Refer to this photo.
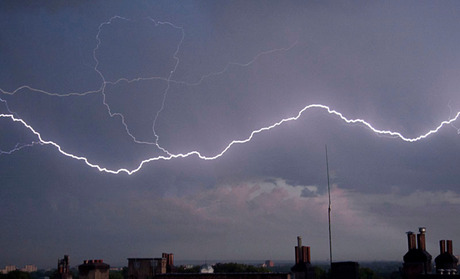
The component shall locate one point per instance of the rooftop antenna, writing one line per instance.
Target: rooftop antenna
(329, 209)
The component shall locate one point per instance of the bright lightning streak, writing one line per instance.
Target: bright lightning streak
(452, 124)
(242, 141)
(18, 146)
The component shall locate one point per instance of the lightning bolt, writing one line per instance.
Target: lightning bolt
(452, 124)
(234, 142)
(18, 146)
(105, 82)
(11, 116)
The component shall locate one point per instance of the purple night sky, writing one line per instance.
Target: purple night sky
(120, 82)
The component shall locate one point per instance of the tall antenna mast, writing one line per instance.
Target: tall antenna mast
(329, 209)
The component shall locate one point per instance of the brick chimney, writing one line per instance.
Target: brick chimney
(442, 246)
(302, 253)
(411, 240)
(297, 249)
(302, 268)
(449, 247)
(446, 262)
(421, 239)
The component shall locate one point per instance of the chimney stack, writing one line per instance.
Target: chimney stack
(442, 246)
(298, 250)
(302, 268)
(449, 247)
(421, 239)
(302, 253)
(411, 240)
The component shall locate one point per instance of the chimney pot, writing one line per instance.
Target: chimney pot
(449, 247)
(411, 240)
(421, 240)
(442, 246)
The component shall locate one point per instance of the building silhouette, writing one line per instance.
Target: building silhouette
(345, 270)
(269, 263)
(446, 262)
(140, 268)
(93, 269)
(147, 268)
(8, 268)
(417, 260)
(29, 268)
(63, 268)
(417, 265)
(163, 268)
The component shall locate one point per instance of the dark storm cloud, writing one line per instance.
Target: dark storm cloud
(239, 67)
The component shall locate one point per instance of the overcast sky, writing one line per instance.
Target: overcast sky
(121, 82)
